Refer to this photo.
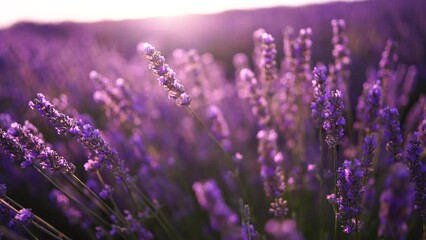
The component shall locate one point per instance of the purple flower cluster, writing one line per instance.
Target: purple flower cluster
(219, 127)
(166, 75)
(334, 122)
(269, 156)
(24, 216)
(341, 55)
(222, 218)
(368, 146)
(387, 72)
(318, 105)
(350, 194)
(26, 145)
(417, 171)
(396, 204)
(268, 64)
(368, 108)
(393, 138)
(73, 214)
(279, 208)
(258, 102)
(90, 137)
(247, 229)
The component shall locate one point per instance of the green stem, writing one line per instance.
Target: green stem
(334, 149)
(229, 162)
(424, 228)
(335, 168)
(101, 204)
(36, 218)
(84, 208)
(29, 232)
(159, 216)
(116, 210)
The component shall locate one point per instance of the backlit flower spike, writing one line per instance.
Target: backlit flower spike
(417, 171)
(368, 108)
(334, 122)
(392, 134)
(268, 64)
(387, 72)
(350, 195)
(166, 75)
(90, 137)
(319, 85)
(396, 203)
(36, 150)
(341, 53)
(222, 218)
(368, 146)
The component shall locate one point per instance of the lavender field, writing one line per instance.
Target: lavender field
(282, 123)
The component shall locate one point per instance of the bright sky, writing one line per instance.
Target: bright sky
(94, 10)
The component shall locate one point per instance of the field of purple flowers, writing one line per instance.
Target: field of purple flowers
(296, 133)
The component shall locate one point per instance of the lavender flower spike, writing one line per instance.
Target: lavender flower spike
(368, 107)
(24, 216)
(349, 184)
(268, 64)
(90, 137)
(393, 136)
(396, 204)
(334, 122)
(166, 75)
(318, 105)
(368, 147)
(222, 218)
(417, 171)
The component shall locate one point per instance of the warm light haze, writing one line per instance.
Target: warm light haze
(82, 10)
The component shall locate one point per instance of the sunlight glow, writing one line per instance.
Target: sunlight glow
(83, 10)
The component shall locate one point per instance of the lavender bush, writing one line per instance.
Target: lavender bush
(233, 156)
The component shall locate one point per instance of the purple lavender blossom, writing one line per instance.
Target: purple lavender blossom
(279, 208)
(422, 131)
(247, 230)
(166, 75)
(334, 122)
(286, 229)
(268, 64)
(136, 227)
(368, 147)
(368, 108)
(222, 218)
(258, 102)
(350, 194)
(387, 72)
(73, 214)
(270, 159)
(219, 127)
(3, 190)
(393, 138)
(24, 216)
(5, 120)
(106, 191)
(12, 147)
(318, 105)
(417, 171)
(341, 55)
(36, 150)
(84, 133)
(396, 203)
